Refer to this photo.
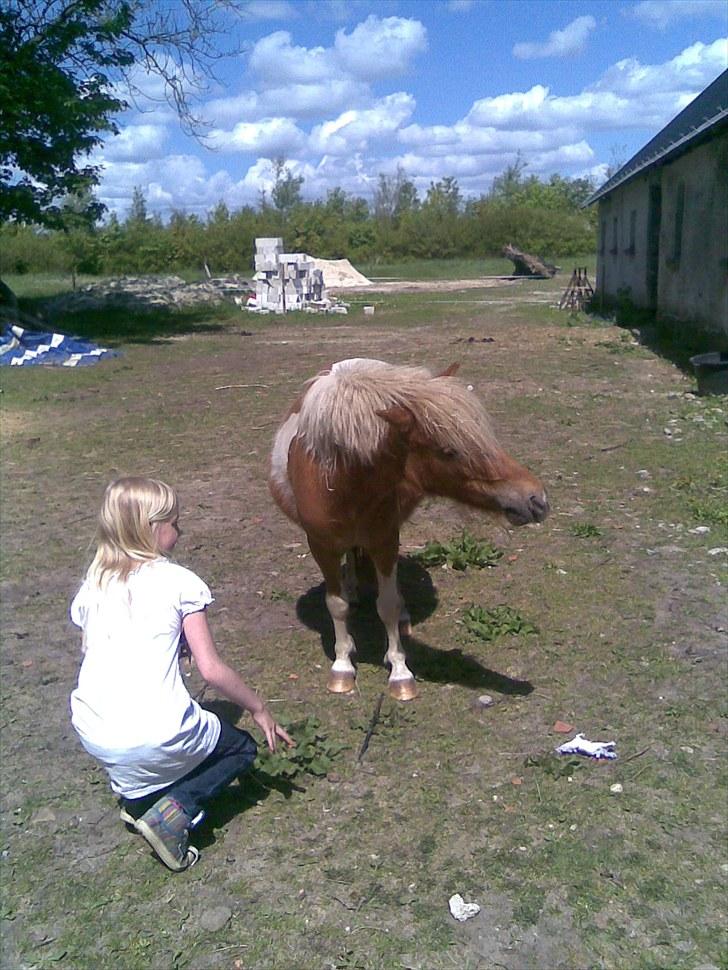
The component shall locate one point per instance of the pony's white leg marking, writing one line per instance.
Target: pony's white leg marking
(389, 607)
(343, 673)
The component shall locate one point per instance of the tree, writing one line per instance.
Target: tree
(137, 215)
(443, 197)
(395, 196)
(286, 192)
(61, 62)
(506, 185)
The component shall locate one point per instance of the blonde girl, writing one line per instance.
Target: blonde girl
(166, 756)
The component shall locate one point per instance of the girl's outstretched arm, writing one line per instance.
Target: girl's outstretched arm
(224, 679)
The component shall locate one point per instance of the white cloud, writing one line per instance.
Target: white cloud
(276, 61)
(312, 100)
(561, 43)
(375, 49)
(460, 6)
(316, 108)
(469, 139)
(268, 10)
(137, 142)
(687, 73)
(628, 95)
(181, 183)
(271, 137)
(663, 13)
(354, 131)
(380, 48)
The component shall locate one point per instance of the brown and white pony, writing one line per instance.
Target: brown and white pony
(363, 444)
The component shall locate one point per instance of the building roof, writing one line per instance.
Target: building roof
(701, 116)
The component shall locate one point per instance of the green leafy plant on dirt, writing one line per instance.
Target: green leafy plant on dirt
(714, 512)
(553, 765)
(707, 495)
(585, 530)
(314, 754)
(460, 553)
(496, 622)
(624, 344)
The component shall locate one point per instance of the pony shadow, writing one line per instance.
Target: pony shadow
(251, 788)
(427, 663)
(416, 586)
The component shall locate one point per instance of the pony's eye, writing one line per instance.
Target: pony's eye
(449, 453)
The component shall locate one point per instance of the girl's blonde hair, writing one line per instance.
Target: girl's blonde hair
(125, 538)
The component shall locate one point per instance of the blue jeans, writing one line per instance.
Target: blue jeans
(233, 755)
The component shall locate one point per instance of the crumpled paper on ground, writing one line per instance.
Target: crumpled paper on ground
(462, 910)
(592, 749)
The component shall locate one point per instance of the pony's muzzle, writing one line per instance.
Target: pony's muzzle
(534, 509)
(539, 505)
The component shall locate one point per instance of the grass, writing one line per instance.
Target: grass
(613, 607)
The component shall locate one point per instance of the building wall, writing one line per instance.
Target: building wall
(663, 241)
(621, 260)
(693, 280)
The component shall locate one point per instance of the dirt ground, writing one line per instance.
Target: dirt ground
(624, 584)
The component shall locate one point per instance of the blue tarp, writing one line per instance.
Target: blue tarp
(21, 348)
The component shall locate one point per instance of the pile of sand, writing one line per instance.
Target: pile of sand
(339, 274)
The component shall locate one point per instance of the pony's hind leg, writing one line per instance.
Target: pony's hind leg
(343, 674)
(357, 576)
(402, 684)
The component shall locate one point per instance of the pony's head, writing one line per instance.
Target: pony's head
(452, 451)
(360, 409)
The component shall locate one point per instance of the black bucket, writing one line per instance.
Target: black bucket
(711, 371)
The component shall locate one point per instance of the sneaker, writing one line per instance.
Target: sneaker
(166, 827)
(125, 817)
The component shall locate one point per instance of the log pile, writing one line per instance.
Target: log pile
(527, 265)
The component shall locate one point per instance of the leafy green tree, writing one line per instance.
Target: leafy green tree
(55, 101)
(506, 186)
(60, 64)
(137, 215)
(443, 197)
(286, 192)
(395, 195)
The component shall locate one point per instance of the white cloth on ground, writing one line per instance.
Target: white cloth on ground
(593, 749)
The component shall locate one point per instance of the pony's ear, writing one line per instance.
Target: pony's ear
(400, 418)
(450, 371)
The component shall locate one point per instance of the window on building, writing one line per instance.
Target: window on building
(603, 237)
(632, 232)
(615, 227)
(679, 216)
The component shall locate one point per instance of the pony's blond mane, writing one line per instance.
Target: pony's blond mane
(338, 419)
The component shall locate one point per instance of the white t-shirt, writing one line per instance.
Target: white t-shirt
(131, 708)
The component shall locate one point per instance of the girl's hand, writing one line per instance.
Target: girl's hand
(264, 719)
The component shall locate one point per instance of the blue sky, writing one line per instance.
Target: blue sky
(347, 89)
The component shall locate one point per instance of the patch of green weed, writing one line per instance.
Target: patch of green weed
(461, 553)
(585, 530)
(313, 754)
(496, 622)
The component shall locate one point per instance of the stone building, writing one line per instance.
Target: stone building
(663, 224)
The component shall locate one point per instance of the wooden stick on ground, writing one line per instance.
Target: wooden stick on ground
(370, 729)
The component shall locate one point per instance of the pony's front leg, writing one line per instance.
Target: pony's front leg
(402, 684)
(343, 674)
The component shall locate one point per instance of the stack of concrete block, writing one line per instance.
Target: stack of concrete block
(286, 281)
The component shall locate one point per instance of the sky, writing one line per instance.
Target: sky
(346, 90)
